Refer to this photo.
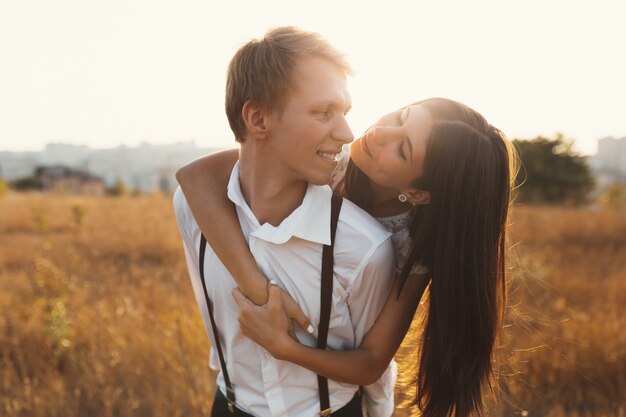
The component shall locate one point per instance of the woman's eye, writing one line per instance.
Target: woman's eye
(401, 151)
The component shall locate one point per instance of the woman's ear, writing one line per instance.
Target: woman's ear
(416, 197)
(255, 119)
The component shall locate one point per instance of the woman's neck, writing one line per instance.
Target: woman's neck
(385, 202)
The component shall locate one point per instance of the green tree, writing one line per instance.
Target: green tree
(26, 183)
(552, 172)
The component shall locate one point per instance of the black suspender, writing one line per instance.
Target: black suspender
(230, 392)
(326, 296)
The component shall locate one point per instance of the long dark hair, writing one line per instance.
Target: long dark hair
(460, 236)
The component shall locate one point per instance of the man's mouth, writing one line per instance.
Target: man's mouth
(328, 156)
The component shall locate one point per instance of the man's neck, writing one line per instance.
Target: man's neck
(271, 195)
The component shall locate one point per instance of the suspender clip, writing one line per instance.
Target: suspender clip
(230, 397)
(325, 413)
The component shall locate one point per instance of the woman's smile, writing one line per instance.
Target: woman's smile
(365, 147)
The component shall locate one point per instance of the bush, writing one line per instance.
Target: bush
(117, 189)
(552, 172)
(614, 197)
(26, 183)
(4, 187)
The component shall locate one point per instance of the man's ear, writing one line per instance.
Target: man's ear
(255, 119)
(416, 196)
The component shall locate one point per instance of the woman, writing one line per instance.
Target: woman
(438, 176)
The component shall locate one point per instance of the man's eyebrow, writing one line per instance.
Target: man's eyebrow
(332, 103)
(325, 103)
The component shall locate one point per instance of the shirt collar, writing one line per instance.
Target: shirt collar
(310, 221)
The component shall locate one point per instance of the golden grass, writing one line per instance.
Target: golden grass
(98, 316)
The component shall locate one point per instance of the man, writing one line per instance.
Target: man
(286, 102)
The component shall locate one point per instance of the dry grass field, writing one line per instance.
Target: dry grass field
(98, 317)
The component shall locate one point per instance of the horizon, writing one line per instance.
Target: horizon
(124, 72)
(196, 145)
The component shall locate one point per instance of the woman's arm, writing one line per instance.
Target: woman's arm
(204, 183)
(267, 325)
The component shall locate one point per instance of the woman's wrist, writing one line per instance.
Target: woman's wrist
(254, 286)
(286, 349)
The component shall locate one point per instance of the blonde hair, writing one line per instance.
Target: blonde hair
(261, 70)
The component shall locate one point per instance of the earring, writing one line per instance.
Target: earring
(402, 197)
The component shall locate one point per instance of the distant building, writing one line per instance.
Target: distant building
(62, 178)
(609, 164)
(14, 165)
(145, 167)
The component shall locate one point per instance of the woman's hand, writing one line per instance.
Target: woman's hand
(292, 311)
(269, 325)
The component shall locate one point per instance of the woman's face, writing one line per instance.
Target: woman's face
(391, 152)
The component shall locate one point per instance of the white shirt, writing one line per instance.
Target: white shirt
(291, 254)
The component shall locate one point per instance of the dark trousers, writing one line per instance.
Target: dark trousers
(220, 408)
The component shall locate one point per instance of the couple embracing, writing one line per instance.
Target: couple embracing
(306, 289)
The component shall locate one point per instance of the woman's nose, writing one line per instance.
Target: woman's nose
(384, 135)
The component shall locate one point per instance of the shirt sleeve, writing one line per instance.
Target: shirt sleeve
(366, 300)
(185, 221)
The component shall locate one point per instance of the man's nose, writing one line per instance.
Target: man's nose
(342, 131)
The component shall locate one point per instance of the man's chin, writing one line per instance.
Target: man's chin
(320, 179)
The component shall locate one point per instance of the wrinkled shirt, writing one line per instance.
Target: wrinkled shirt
(291, 254)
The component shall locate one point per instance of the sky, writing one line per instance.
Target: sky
(105, 73)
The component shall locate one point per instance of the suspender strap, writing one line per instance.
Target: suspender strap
(230, 393)
(326, 300)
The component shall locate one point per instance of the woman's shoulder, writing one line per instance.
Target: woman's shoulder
(397, 223)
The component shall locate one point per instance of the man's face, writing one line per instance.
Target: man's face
(305, 139)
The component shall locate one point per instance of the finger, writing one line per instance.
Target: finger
(291, 331)
(293, 311)
(274, 299)
(300, 318)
